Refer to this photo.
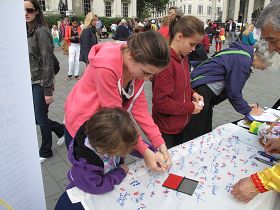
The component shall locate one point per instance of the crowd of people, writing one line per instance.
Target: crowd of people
(99, 131)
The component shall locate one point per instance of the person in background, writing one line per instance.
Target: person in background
(140, 28)
(97, 155)
(210, 33)
(268, 179)
(164, 28)
(174, 101)
(113, 28)
(104, 33)
(40, 48)
(230, 28)
(153, 25)
(98, 26)
(218, 41)
(115, 78)
(247, 36)
(72, 36)
(222, 33)
(122, 32)
(55, 35)
(175, 11)
(88, 36)
(81, 24)
(62, 28)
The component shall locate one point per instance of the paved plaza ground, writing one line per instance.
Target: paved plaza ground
(262, 87)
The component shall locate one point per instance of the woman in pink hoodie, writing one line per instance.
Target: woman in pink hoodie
(115, 78)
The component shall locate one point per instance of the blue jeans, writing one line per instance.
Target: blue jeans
(41, 110)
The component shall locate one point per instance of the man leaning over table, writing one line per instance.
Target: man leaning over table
(268, 179)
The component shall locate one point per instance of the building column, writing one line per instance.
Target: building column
(133, 8)
(266, 2)
(236, 10)
(118, 8)
(69, 12)
(214, 10)
(250, 10)
(225, 11)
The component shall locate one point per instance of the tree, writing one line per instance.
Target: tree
(144, 6)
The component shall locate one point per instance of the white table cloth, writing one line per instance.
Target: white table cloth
(217, 160)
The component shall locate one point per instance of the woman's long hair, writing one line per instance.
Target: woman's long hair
(39, 20)
(248, 29)
(89, 18)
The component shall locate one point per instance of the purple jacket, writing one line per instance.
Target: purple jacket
(87, 172)
(234, 69)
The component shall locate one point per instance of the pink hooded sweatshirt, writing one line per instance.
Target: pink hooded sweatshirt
(100, 86)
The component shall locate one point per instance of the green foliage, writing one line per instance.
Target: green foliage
(109, 21)
(52, 19)
(143, 7)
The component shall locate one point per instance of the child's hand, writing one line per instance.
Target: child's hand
(272, 145)
(166, 156)
(197, 108)
(153, 161)
(196, 97)
(124, 167)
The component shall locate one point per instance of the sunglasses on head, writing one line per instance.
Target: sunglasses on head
(29, 10)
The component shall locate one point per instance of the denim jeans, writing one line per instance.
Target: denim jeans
(41, 110)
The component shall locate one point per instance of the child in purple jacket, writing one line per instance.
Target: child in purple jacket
(97, 154)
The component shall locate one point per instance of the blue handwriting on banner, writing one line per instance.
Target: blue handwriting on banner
(135, 183)
(122, 198)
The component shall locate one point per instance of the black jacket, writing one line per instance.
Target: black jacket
(233, 27)
(122, 33)
(88, 38)
(40, 48)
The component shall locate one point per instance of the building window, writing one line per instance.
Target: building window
(209, 12)
(184, 9)
(125, 9)
(219, 10)
(108, 9)
(189, 9)
(200, 10)
(86, 6)
(42, 4)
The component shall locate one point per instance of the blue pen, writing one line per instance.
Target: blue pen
(264, 161)
(271, 158)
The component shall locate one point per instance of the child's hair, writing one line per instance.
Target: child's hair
(111, 131)
(149, 47)
(187, 25)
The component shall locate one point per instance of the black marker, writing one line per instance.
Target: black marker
(264, 161)
(268, 156)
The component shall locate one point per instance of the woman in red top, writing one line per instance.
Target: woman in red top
(174, 101)
(164, 27)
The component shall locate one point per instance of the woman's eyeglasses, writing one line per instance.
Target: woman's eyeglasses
(29, 10)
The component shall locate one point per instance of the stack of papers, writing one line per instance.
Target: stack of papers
(269, 115)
